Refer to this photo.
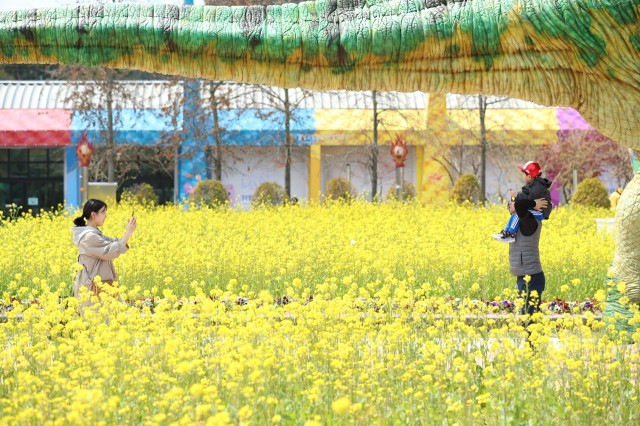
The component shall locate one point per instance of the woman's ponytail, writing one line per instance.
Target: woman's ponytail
(90, 206)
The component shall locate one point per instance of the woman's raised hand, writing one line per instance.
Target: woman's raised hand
(132, 224)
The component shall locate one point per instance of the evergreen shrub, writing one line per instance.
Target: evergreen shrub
(211, 193)
(269, 194)
(591, 193)
(466, 189)
(339, 189)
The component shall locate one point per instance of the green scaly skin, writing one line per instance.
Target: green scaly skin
(578, 53)
(582, 54)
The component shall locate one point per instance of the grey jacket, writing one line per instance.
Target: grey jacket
(97, 252)
(524, 254)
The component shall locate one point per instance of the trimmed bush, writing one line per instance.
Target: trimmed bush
(466, 189)
(591, 193)
(210, 193)
(269, 194)
(339, 189)
(408, 192)
(140, 193)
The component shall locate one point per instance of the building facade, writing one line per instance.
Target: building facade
(332, 133)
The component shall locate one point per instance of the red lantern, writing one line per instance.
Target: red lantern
(84, 150)
(399, 151)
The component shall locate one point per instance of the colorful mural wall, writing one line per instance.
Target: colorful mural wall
(313, 129)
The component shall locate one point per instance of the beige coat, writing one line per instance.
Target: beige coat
(97, 252)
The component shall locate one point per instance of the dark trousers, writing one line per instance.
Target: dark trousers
(537, 283)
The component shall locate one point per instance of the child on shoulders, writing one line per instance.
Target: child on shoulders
(535, 187)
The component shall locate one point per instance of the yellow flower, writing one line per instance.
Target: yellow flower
(196, 390)
(245, 412)
(221, 419)
(393, 326)
(341, 405)
(484, 398)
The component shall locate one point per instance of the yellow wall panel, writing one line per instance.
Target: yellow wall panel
(434, 182)
(528, 119)
(315, 177)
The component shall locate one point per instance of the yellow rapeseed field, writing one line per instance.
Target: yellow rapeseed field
(360, 249)
(374, 328)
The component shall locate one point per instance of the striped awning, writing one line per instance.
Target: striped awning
(23, 128)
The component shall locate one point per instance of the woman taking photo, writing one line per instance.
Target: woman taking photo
(97, 251)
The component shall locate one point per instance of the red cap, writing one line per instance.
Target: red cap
(530, 168)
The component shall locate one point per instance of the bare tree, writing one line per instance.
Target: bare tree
(197, 121)
(482, 114)
(374, 146)
(109, 88)
(169, 163)
(455, 155)
(483, 103)
(217, 98)
(102, 101)
(282, 104)
(387, 115)
(467, 150)
(384, 105)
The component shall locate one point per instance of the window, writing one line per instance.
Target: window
(31, 177)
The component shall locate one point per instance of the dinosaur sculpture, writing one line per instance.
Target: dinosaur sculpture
(583, 54)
